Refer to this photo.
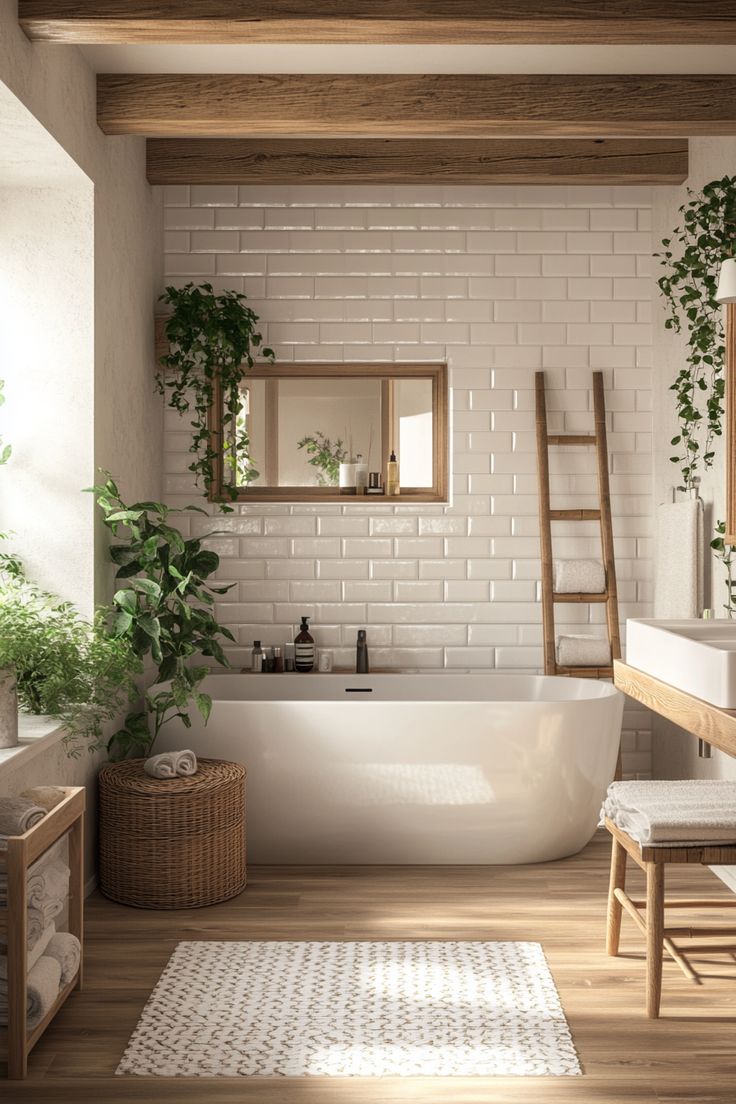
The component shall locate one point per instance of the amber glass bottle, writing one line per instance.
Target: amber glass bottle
(304, 648)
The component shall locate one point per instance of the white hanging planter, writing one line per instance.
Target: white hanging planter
(8, 708)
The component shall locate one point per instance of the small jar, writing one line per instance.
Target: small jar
(278, 661)
(325, 661)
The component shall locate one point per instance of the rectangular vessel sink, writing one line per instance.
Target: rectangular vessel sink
(696, 656)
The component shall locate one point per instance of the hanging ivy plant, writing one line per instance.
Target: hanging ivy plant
(692, 261)
(213, 341)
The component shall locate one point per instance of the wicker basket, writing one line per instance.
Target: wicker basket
(172, 843)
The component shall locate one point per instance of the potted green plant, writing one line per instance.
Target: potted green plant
(325, 455)
(162, 609)
(213, 340)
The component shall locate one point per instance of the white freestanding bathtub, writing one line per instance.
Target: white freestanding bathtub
(413, 768)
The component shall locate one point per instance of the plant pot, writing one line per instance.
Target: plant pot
(347, 479)
(8, 708)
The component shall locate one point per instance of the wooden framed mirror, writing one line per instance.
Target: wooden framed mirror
(304, 420)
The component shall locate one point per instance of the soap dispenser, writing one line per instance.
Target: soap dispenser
(392, 476)
(361, 659)
(304, 648)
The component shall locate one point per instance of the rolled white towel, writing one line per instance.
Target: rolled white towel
(583, 651)
(42, 989)
(18, 815)
(579, 577)
(170, 764)
(48, 797)
(34, 953)
(36, 927)
(48, 885)
(66, 949)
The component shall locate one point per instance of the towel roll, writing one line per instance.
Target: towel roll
(67, 950)
(170, 764)
(583, 651)
(579, 577)
(42, 988)
(48, 887)
(34, 954)
(48, 797)
(18, 815)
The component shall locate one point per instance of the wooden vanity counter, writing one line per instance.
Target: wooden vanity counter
(716, 726)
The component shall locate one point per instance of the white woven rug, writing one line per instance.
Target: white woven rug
(277, 1009)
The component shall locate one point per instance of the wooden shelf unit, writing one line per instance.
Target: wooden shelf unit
(22, 852)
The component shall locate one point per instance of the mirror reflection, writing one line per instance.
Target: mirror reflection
(336, 434)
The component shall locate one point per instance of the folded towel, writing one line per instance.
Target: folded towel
(42, 989)
(170, 764)
(48, 797)
(583, 651)
(53, 854)
(67, 950)
(36, 927)
(678, 581)
(48, 886)
(692, 810)
(33, 955)
(18, 814)
(579, 577)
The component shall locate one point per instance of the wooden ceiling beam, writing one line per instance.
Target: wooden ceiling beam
(381, 21)
(415, 106)
(422, 161)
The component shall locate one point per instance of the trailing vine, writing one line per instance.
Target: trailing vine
(213, 341)
(705, 239)
(691, 261)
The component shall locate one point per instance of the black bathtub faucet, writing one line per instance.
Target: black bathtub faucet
(361, 659)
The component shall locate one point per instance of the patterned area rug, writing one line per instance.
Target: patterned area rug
(273, 1009)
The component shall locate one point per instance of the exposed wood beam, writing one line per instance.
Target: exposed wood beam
(420, 161)
(369, 106)
(381, 21)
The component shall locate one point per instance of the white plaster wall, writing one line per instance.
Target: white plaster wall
(58, 87)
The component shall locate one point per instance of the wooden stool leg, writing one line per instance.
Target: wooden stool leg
(617, 881)
(655, 935)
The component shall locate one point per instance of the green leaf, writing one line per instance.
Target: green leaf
(126, 600)
(150, 625)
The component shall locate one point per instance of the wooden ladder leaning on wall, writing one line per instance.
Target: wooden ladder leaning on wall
(547, 515)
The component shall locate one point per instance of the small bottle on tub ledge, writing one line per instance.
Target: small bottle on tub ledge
(304, 648)
(393, 489)
(361, 659)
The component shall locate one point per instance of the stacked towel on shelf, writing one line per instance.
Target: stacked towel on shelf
(170, 764)
(583, 651)
(664, 813)
(579, 577)
(34, 953)
(42, 987)
(48, 797)
(18, 815)
(67, 951)
(48, 887)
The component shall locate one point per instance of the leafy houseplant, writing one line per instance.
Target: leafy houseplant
(213, 338)
(692, 261)
(324, 455)
(65, 667)
(164, 609)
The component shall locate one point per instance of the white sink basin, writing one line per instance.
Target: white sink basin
(696, 656)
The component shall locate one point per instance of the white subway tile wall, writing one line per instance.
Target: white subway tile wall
(499, 282)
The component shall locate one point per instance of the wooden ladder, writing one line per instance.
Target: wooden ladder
(596, 440)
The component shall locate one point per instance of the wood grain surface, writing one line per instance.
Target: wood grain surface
(414, 106)
(687, 1055)
(420, 161)
(381, 21)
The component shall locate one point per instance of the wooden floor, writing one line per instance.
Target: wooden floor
(688, 1055)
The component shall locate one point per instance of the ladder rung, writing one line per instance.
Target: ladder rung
(574, 515)
(579, 596)
(571, 438)
(585, 672)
